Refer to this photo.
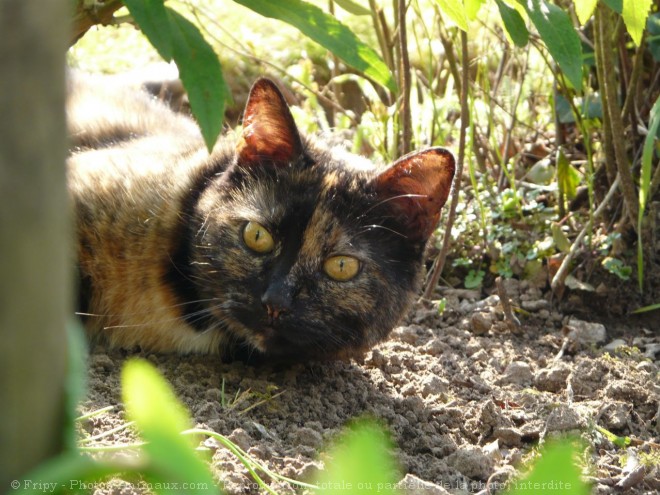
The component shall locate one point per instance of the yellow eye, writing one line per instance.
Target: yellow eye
(341, 268)
(257, 238)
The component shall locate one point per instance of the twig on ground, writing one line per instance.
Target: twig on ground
(512, 320)
(562, 273)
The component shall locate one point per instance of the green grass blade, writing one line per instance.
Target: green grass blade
(328, 32)
(652, 307)
(645, 184)
(556, 30)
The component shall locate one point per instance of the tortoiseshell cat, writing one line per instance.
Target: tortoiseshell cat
(274, 246)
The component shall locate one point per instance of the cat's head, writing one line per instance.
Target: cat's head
(305, 254)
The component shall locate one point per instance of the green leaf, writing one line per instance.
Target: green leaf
(201, 74)
(616, 267)
(327, 32)
(555, 470)
(559, 237)
(76, 380)
(647, 154)
(621, 442)
(653, 38)
(174, 37)
(361, 462)
(556, 30)
(585, 9)
(151, 17)
(634, 15)
(160, 418)
(514, 24)
(455, 10)
(474, 279)
(567, 177)
(352, 7)
(472, 8)
(645, 184)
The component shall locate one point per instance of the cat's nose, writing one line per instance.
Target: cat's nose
(276, 300)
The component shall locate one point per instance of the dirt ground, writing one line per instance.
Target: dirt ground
(466, 397)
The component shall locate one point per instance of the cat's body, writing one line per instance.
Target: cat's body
(274, 245)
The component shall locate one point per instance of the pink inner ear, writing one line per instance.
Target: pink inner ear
(269, 131)
(417, 186)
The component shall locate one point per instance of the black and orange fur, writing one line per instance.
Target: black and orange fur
(161, 257)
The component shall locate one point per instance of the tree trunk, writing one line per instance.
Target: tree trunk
(35, 276)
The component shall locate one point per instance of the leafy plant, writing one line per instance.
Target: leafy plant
(556, 469)
(360, 462)
(176, 38)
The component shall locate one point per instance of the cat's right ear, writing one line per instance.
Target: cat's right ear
(416, 188)
(269, 132)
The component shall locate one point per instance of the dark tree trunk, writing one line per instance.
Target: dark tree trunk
(35, 253)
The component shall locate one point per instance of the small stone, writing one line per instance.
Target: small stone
(616, 416)
(509, 436)
(492, 450)
(646, 366)
(518, 373)
(471, 462)
(481, 323)
(306, 436)
(564, 418)
(614, 345)
(537, 305)
(552, 379)
(585, 332)
(480, 356)
(436, 347)
(652, 351)
(240, 437)
(377, 359)
(409, 334)
(432, 384)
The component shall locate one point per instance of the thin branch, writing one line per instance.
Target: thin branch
(85, 17)
(404, 81)
(439, 264)
(562, 273)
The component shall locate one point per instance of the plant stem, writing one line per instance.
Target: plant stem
(404, 81)
(609, 98)
(439, 264)
(638, 65)
(562, 273)
(610, 160)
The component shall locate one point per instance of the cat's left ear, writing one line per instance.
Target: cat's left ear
(416, 187)
(269, 132)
